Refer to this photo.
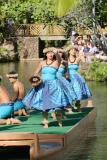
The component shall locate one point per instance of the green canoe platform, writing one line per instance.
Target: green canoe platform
(59, 141)
(33, 123)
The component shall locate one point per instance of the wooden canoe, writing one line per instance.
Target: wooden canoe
(50, 144)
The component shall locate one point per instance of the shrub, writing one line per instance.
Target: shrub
(97, 71)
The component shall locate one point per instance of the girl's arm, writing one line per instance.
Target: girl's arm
(38, 69)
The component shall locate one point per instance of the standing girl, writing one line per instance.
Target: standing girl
(76, 80)
(49, 96)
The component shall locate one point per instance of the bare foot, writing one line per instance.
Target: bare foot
(8, 121)
(44, 122)
(60, 124)
(24, 113)
(54, 116)
(78, 105)
(64, 117)
(46, 125)
(19, 112)
(69, 110)
(15, 121)
(3, 121)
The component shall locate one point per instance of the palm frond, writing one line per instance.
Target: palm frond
(63, 6)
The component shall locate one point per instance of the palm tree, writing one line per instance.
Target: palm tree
(63, 6)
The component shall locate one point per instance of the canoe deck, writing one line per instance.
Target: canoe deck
(33, 123)
(75, 127)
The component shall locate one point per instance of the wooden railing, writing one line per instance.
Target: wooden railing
(38, 30)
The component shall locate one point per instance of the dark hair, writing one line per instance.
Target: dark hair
(64, 57)
(63, 54)
(88, 36)
(12, 72)
(81, 36)
(76, 34)
(98, 35)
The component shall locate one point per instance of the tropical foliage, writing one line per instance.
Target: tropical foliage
(82, 15)
(79, 17)
(31, 11)
(28, 11)
(47, 12)
(65, 12)
(62, 6)
(97, 71)
(101, 12)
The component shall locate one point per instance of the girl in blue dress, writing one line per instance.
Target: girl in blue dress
(50, 95)
(61, 76)
(76, 80)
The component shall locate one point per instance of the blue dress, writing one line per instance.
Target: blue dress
(50, 96)
(6, 110)
(60, 73)
(78, 83)
(66, 85)
(18, 104)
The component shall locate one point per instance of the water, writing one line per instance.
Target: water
(24, 69)
(95, 146)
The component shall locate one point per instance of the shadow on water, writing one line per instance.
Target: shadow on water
(94, 147)
(24, 153)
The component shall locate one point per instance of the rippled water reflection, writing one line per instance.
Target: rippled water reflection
(95, 146)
